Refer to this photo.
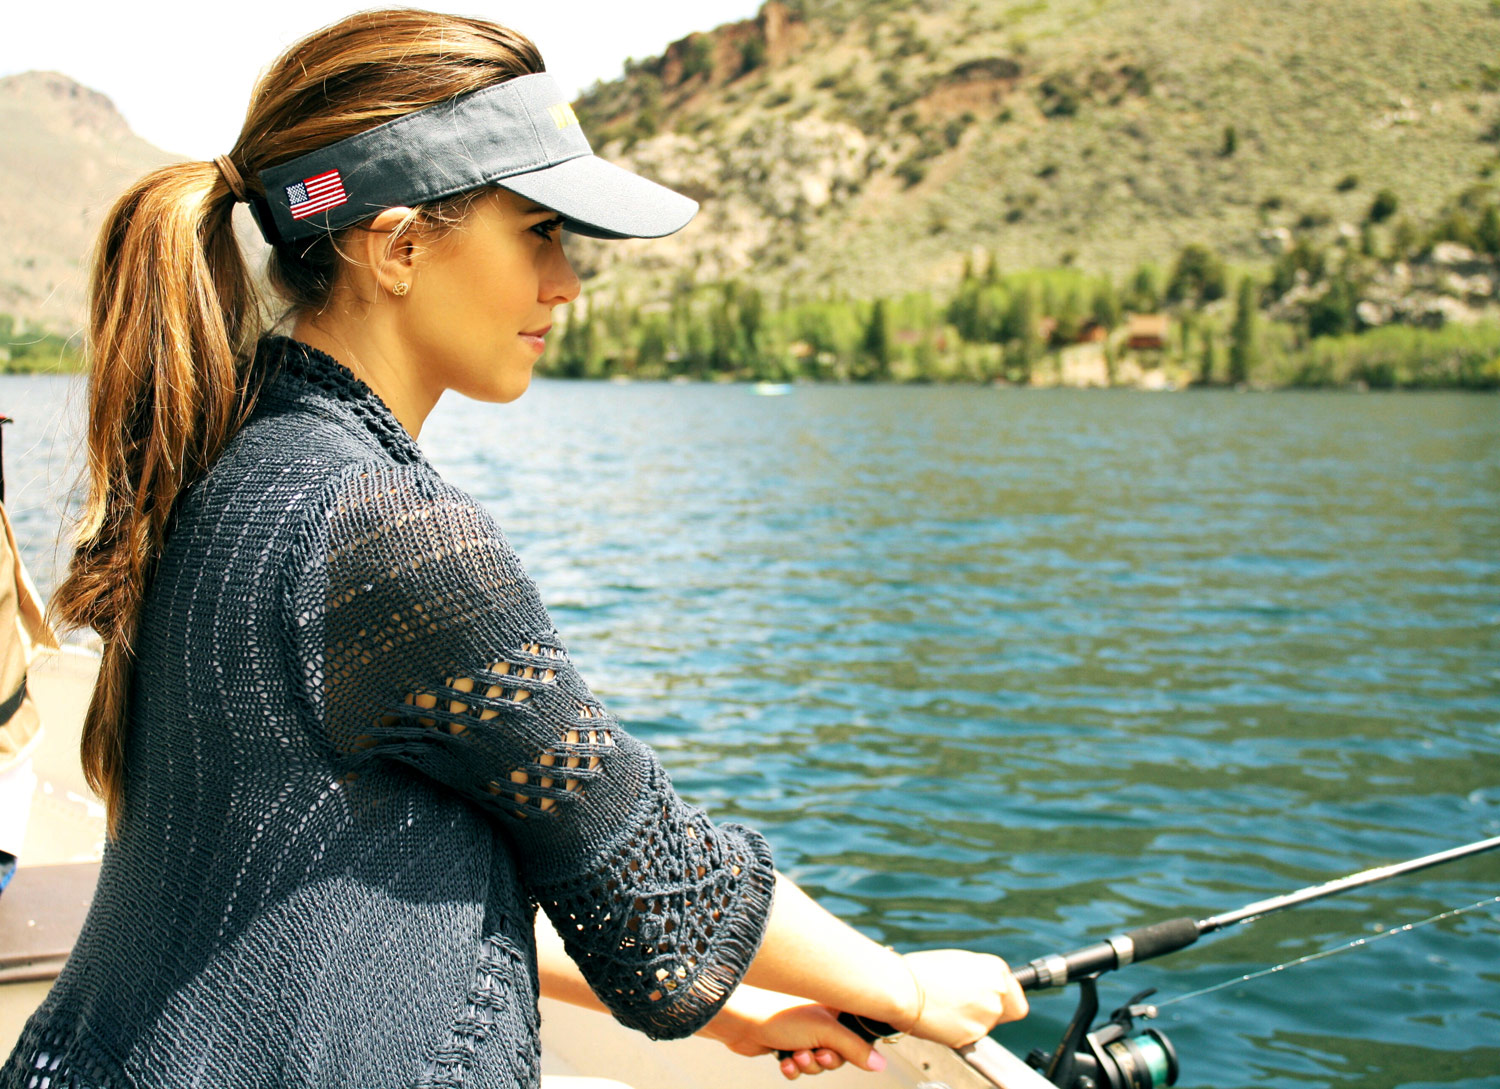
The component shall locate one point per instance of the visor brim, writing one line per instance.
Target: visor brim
(602, 200)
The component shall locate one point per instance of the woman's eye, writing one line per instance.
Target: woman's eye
(548, 228)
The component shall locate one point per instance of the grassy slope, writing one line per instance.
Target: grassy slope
(65, 155)
(1392, 92)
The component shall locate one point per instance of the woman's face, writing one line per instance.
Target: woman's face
(483, 294)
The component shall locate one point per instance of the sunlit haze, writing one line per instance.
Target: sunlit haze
(181, 71)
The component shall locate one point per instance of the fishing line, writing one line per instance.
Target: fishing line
(1116, 1055)
(1170, 935)
(1346, 947)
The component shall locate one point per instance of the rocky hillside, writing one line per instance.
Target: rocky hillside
(65, 154)
(873, 145)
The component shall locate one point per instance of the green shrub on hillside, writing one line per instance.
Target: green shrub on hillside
(911, 172)
(1382, 207)
(1144, 294)
(697, 56)
(1060, 95)
(1488, 233)
(1332, 313)
(752, 54)
(1304, 257)
(1472, 219)
(1198, 277)
(953, 131)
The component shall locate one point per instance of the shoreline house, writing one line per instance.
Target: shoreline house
(1147, 332)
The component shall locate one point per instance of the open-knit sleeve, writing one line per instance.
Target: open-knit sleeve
(421, 640)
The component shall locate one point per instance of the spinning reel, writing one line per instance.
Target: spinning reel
(1113, 1056)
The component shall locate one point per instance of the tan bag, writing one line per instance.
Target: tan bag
(23, 631)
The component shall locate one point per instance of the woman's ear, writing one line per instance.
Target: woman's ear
(392, 258)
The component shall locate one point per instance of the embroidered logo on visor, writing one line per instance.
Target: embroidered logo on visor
(563, 114)
(316, 194)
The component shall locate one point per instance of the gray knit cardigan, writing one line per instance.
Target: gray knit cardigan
(358, 759)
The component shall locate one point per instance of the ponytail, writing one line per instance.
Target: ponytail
(172, 323)
(173, 318)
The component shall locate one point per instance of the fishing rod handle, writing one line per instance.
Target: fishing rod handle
(867, 1029)
(1142, 943)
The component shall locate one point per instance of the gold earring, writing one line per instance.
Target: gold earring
(401, 288)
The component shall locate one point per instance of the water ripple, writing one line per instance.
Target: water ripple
(1014, 670)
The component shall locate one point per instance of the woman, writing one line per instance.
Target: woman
(344, 751)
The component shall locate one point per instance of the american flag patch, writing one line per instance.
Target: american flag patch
(316, 194)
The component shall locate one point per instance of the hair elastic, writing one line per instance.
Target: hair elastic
(232, 178)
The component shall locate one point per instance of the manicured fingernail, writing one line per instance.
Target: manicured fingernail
(877, 1061)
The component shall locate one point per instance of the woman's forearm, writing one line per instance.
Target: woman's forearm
(806, 951)
(810, 952)
(951, 996)
(752, 1021)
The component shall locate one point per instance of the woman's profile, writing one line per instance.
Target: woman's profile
(345, 753)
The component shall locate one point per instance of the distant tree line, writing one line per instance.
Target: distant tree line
(26, 350)
(999, 325)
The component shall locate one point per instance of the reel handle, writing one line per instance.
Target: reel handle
(1142, 943)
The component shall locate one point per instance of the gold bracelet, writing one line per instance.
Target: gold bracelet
(921, 996)
(921, 1006)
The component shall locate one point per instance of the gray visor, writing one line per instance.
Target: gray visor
(521, 135)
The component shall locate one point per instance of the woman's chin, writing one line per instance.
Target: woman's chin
(511, 388)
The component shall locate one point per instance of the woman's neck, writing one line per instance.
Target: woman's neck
(375, 354)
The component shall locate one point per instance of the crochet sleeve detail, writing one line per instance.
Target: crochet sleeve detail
(421, 642)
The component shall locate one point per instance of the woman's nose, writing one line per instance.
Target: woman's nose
(561, 284)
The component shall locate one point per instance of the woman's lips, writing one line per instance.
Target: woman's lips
(537, 339)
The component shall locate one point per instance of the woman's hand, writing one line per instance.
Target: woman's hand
(950, 996)
(962, 996)
(757, 1022)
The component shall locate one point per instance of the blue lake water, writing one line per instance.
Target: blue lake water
(1015, 670)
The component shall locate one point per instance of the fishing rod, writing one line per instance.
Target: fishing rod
(3, 421)
(1114, 1056)
(1171, 935)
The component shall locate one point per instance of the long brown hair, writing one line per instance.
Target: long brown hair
(174, 317)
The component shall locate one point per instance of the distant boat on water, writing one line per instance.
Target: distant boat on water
(771, 389)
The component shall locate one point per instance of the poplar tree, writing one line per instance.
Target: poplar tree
(1106, 305)
(1242, 335)
(876, 345)
(1022, 321)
